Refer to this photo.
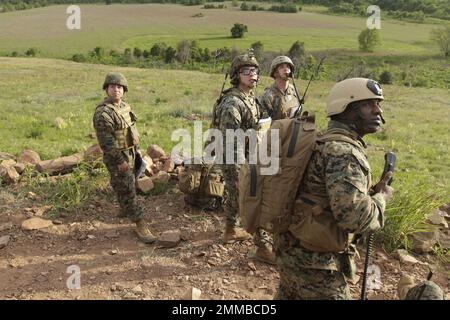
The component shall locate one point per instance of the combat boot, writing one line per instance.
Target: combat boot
(143, 232)
(233, 234)
(263, 254)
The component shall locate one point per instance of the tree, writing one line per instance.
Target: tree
(169, 55)
(238, 30)
(297, 52)
(31, 52)
(183, 51)
(137, 52)
(258, 50)
(442, 38)
(386, 77)
(369, 39)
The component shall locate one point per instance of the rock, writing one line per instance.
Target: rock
(406, 282)
(8, 163)
(444, 240)
(93, 153)
(29, 157)
(60, 165)
(92, 135)
(148, 159)
(8, 174)
(6, 156)
(192, 294)
(155, 151)
(36, 224)
(20, 167)
(6, 226)
(145, 184)
(444, 207)
(4, 241)
(251, 265)
(437, 218)
(405, 258)
(168, 166)
(169, 239)
(161, 177)
(148, 167)
(137, 289)
(423, 242)
(60, 123)
(41, 210)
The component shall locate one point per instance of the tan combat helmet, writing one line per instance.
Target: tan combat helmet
(240, 61)
(115, 78)
(350, 90)
(279, 60)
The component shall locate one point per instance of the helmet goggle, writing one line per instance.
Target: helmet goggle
(246, 71)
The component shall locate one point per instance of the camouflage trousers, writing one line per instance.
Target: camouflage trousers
(231, 204)
(299, 282)
(124, 185)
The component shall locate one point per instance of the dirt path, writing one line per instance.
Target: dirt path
(114, 265)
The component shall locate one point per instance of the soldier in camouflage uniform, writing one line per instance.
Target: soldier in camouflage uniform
(280, 100)
(118, 138)
(336, 201)
(238, 109)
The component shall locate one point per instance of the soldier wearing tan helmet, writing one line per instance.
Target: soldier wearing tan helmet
(336, 201)
(280, 100)
(238, 109)
(115, 126)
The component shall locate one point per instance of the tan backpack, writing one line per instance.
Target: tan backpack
(266, 201)
(202, 184)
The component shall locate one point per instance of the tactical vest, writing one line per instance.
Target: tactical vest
(287, 102)
(235, 93)
(126, 135)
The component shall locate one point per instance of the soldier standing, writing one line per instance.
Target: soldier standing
(336, 200)
(280, 100)
(238, 109)
(115, 125)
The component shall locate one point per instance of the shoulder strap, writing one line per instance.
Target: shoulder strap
(337, 135)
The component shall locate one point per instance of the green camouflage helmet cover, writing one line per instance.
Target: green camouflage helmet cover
(115, 78)
(279, 60)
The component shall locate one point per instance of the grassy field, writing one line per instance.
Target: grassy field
(121, 26)
(36, 91)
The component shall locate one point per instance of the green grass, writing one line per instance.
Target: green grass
(141, 25)
(36, 91)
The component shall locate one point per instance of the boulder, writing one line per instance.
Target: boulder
(145, 184)
(8, 174)
(7, 156)
(437, 218)
(36, 224)
(168, 166)
(20, 167)
(4, 241)
(161, 177)
(155, 151)
(406, 258)
(93, 153)
(29, 157)
(169, 239)
(423, 242)
(60, 165)
(8, 163)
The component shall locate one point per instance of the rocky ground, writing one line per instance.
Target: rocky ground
(37, 257)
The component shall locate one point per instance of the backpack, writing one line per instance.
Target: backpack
(266, 201)
(202, 185)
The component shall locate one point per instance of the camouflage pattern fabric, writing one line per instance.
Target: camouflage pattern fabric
(431, 292)
(106, 122)
(300, 283)
(276, 104)
(237, 110)
(340, 172)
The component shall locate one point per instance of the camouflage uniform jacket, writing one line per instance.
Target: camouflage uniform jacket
(277, 104)
(106, 123)
(237, 110)
(339, 172)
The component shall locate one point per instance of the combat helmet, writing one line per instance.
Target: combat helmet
(279, 60)
(350, 90)
(240, 61)
(115, 78)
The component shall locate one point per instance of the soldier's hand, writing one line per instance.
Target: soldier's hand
(383, 187)
(123, 167)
